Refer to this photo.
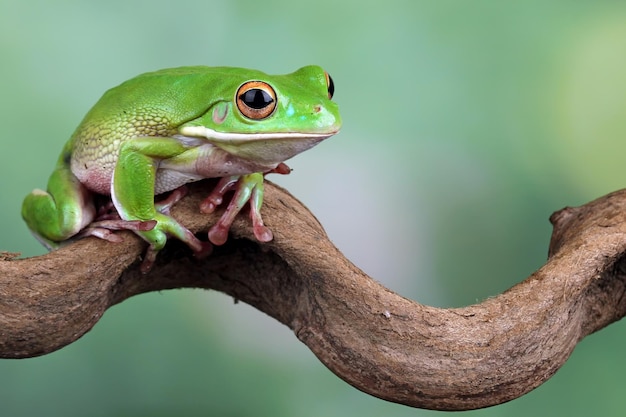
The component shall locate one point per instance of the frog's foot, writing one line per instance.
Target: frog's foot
(200, 249)
(165, 227)
(247, 188)
(104, 229)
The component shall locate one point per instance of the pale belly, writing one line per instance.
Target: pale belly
(195, 164)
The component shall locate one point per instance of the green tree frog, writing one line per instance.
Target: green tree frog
(160, 130)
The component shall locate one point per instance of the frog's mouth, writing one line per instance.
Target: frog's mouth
(274, 147)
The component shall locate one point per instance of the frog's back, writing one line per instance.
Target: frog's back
(147, 105)
(161, 100)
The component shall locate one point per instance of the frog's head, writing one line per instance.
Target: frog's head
(268, 118)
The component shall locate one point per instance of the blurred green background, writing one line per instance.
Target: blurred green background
(466, 124)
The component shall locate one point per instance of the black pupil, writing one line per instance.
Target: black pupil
(256, 98)
(331, 87)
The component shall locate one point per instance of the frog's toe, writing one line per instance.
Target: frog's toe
(104, 229)
(148, 260)
(216, 197)
(164, 206)
(262, 233)
(218, 233)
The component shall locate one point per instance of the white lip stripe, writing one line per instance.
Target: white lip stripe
(205, 132)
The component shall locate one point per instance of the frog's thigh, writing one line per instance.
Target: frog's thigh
(62, 211)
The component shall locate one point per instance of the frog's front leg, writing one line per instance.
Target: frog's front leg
(243, 176)
(248, 188)
(133, 189)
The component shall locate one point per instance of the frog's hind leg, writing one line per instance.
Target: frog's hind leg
(60, 212)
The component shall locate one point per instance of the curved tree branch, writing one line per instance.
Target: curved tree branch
(376, 340)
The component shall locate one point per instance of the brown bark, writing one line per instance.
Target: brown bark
(376, 340)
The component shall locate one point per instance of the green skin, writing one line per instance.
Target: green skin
(160, 130)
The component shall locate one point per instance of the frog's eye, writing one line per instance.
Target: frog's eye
(330, 84)
(256, 100)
